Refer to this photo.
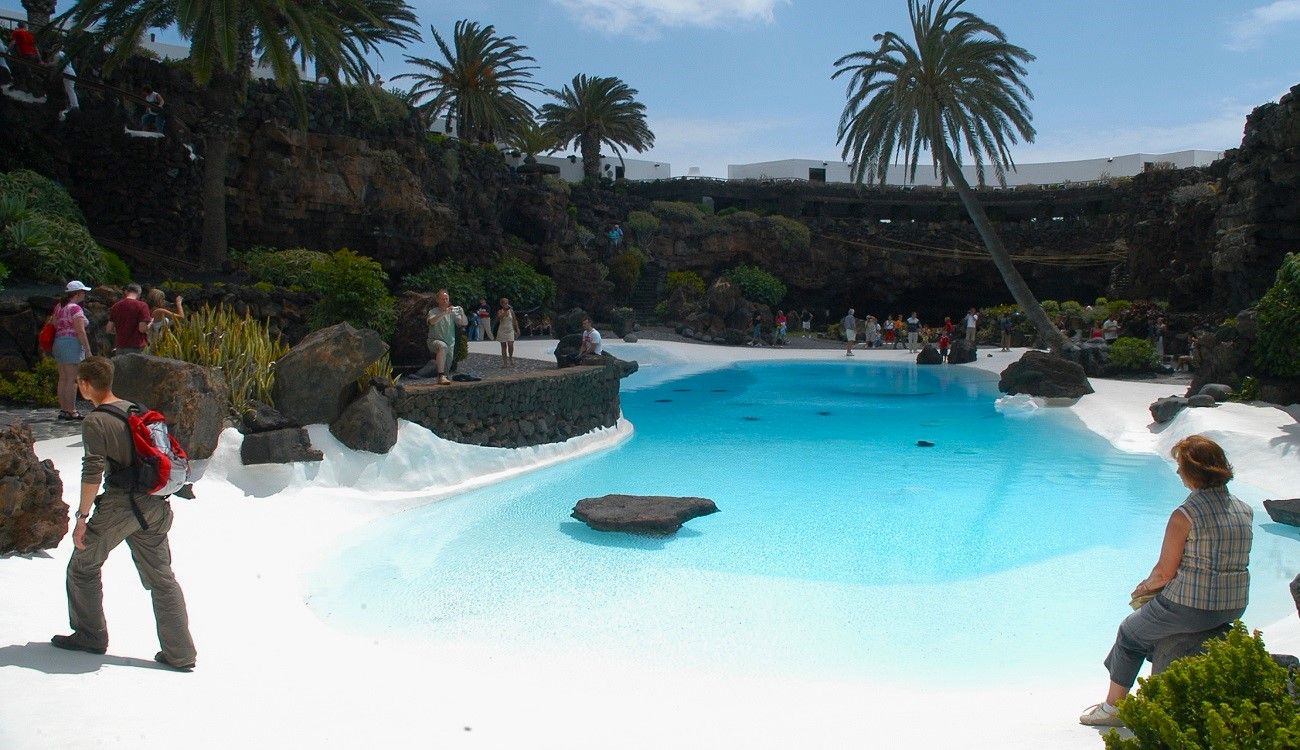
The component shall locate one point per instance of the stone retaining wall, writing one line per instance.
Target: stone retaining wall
(519, 410)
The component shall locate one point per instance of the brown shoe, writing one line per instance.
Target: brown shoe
(162, 659)
(72, 643)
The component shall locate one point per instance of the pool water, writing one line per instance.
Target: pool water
(842, 549)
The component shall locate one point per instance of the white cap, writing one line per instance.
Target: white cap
(76, 286)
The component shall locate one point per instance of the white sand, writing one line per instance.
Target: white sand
(272, 675)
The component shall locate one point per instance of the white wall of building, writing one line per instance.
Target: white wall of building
(1039, 173)
(571, 167)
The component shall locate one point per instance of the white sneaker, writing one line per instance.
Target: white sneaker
(1098, 715)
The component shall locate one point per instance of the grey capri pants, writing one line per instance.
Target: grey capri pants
(1156, 620)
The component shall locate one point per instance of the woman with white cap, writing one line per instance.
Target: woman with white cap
(70, 344)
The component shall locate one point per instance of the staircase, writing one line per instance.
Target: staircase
(646, 294)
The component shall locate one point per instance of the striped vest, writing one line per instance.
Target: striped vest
(1212, 574)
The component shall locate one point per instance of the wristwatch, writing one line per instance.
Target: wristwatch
(82, 516)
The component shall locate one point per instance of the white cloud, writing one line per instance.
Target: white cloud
(1260, 22)
(648, 16)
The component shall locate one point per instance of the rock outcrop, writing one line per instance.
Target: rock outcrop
(640, 514)
(1284, 511)
(283, 446)
(1041, 374)
(929, 355)
(194, 398)
(33, 515)
(368, 424)
(260, 417)
(317, 378)
(1165, 409)
(962, 352)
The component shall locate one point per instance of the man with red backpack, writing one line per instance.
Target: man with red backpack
(123, 513)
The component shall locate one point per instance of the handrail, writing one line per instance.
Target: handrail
(156, 259)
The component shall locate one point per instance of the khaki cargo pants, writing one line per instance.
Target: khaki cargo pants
(110, 524)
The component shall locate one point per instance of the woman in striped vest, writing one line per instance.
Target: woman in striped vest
(1200, 581)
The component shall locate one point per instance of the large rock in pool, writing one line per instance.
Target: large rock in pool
(641, 514)
(929, 356)
(33, 515)
(368, 424)
(1284, 511)
(1046, 375)
(317, 378)
(194, 398)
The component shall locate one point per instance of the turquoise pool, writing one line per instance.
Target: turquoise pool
(842, 549)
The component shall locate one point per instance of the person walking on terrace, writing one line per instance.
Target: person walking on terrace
(1200, 582)
(484, 320)
(71, 345)
(128, 321)
(850, 325)
(119, 515)
(507, 331)
(443, 319)
(913, 330)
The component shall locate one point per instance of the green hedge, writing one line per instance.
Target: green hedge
(283, 268)
(465, 286)
(757, 285)
(688, 279)
(642, 223)
(52, 249)
(1232, 696)
(678, 211)
(353, 288)
(1278, 315)
(1133, 354)
(793, 234)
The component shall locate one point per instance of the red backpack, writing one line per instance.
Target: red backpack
(159, 465)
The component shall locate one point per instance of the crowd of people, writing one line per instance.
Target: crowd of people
(481, 323)
(911, 333)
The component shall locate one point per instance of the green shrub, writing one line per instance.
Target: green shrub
(116, 271)
(179, 287)
(241, 346)
(1232, 696)
(52, 249)
(688, 279)
(371, 107)
(559, 185)
(740, 218)
(36, 386)
(526, 288)
(625, 270)
(585, 236)
(678, 212)
(642, 223)
(1248, 391)
(661, 310)
(793, 234)
(4, 274)
(265, 287)
(1278, 316)
(41, 195)
(1073, 312)
(282, 268)
(1116, 307)
(1133, 354)
(757, 285)
(353, 289)
(464, 285)
(724, 213)
(1052, 308)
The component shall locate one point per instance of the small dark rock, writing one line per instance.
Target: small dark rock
(1165, 409)
(924, 444)
(639, 514)
(278, 447)
(1284, 511)
(367, 424)
(1216, 391)
(263, 418)
(1200, 400)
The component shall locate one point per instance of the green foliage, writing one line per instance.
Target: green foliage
(1133, 354)
(354, 289)
(4, 274)
(689, 279)
(464, 285)
(239, 345)
(678, 212)
(793, 234)
(1232, 696)
(585, 236)
(661, 310)
(1278, 316)
(594, 113)
(1116, 307)
(724, 213)
(1051, 307)
(116, 271)
(642, 223)
(435, 139)
(282, 268)
(265, 287)
(381, 368)
(373, 108)
(53, 249)
(40, 195)
(558, 184)
(526, 288)
(625, 270)
(1248, 391)
(36, 386)
(757, 285)
(180, 287)
(1074, 312)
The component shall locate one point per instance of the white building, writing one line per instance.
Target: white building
(611, 167)
(1040, 173)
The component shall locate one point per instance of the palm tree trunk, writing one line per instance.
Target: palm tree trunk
(590, 145)
(1001, 258)
(216, 157)
(38, 13)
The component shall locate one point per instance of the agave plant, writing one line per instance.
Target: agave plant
(239, 345)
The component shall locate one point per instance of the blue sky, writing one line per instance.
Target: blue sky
(734, 81)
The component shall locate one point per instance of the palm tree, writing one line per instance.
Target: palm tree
(958, 85)
(38, 13)
(533, 139)
(477, 81)
(598, 110)
(226, 36)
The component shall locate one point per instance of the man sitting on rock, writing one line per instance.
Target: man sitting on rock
(591, 342)
(443, 320)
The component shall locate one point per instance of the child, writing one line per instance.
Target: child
(945, 341)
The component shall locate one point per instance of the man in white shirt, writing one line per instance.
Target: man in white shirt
(1110, 330)
(850, 326)
(972, 322)
(591, 343)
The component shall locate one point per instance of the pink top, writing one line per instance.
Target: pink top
(65, 317)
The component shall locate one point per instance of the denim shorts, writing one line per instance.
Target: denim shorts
(67, 350)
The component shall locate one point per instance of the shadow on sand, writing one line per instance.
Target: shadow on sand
(42, 657)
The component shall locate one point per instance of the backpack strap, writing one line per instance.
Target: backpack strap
(130, 439)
